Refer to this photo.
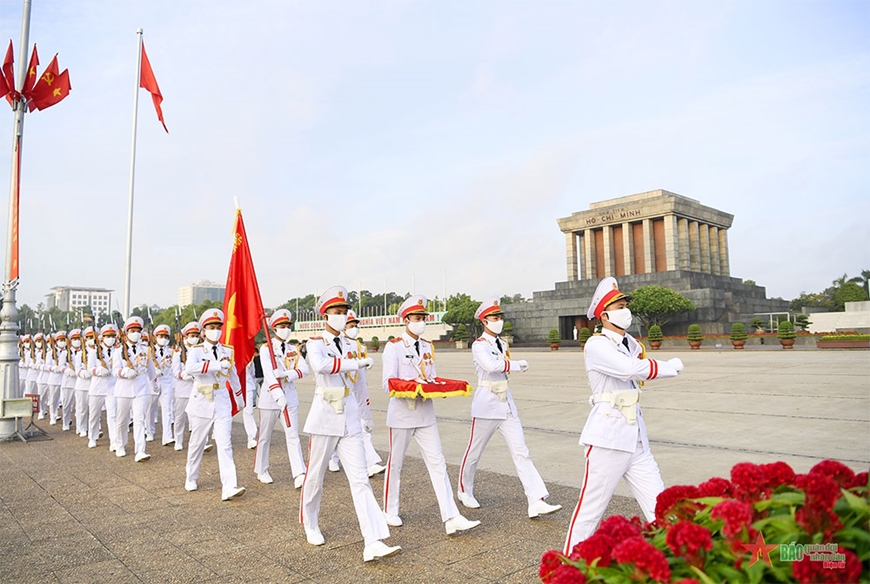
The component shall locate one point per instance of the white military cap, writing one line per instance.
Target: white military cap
(109, 329)
(491, 305)
(89, 332)
(59, 335)
(281, 316)
(191, 327)
(415, 304)
(161, 329)
(606, 293)
(133, 321)
(351, 316)
(211, 316)
(335, 296)
(75, 333)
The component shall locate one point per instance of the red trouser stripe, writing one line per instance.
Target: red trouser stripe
(389, 468)
(579, 503)
(464, 458)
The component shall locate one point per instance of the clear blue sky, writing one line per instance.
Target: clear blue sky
(396, 141)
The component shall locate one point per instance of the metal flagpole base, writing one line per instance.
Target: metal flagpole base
(9, 379)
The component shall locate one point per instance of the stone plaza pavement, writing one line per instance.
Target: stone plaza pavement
(70, 514)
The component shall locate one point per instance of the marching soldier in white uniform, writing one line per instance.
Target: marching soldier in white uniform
(133, 365)
(280, 400)
(26, 352)
(410, 357)
(493, 409)
(102, 386)
(34, 360)
(183, 382)
(614, 438)
(43, 367)
(68, 381)
(163, 356)
(215, 399)
(79, 352)
(333, 423)
(57, 353)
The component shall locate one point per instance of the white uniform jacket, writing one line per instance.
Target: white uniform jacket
(359, 381)
(183, 386)
(101, 384)
(163, 368)
(330, 371)
(206, 372)
(287, 359)
(83, 378)
(33, 363)
(401, 361)
(492, 365)
(58, 366)
(613, 367)
(140, 361)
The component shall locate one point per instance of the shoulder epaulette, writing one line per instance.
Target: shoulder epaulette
(396, 340)
(196, 345)
(230, 347)
(479, 339)
(315, 338)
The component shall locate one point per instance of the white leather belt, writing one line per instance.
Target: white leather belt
(624, 400)
(334, 396)
(499, 388)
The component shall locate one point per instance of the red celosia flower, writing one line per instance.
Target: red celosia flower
(860, 480)
(839, 472)
(820, 490)
(597, 547)
(735, 514)
(807, 571)
(715, 487)
(549, 562)
(647, 560)
(778, 473)
(687, 539)
(672, 504)
(750, 482)
(565, 574)
(817, 519)
(618, 528)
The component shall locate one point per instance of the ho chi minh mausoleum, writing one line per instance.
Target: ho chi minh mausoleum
(655, 238)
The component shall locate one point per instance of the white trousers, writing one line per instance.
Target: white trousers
(350, 449)
(67, 399)
(372, 456)
(429, 443)
(111, 426)
(81, 411)
(602, 471)
(268, 418)
(95, 413)
(248, 416)
(139, 407)
(53, 401)
(179, 420)
(482, 429)
(166, 402)
(200, 427)
(42, 389)
(151, 415)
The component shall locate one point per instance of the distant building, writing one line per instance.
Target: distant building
(68, 298)
(200, 292)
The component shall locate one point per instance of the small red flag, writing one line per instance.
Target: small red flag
(8, 75)
(47, 91)
(243, 305)
(59, 90)
(31, 78)
(149, 82)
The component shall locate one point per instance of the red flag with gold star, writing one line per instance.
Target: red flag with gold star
(51, 88)
(32, 77)
(243, 306)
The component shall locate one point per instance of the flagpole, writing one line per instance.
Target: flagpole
(132, 177)
(9, 374)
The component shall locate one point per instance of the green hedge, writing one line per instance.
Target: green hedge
(854, 337)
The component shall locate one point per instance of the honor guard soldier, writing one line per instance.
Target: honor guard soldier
(43, 367)
(493, 409)
(57, 353)
(33, 363)
(215, 399)
(333, 423)
(410, 357)
(80, 343)
(280, 399)
(165, 399)
(183, 382)
(614, 438)
(101, 391)
(26, 352)
(68, 381)
(133, 365)
(250, 400)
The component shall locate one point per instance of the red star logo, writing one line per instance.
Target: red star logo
(760, 550)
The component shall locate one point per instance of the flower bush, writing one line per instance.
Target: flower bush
(855, 337)
(814, 528)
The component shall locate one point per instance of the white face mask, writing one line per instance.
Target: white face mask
(352, 332)
(91, 343)
(283, 333)
(191, 341)
(109, 341)
(162, 341)
(495, 326)
(76, 343)
(336, 321)
(38, 344)
(213, 335)
(61, 344)
(134, 337)
(417, 327)
(621, 317)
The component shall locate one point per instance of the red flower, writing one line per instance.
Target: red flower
(647, 560)
(815, 519)
(687, 539)
(735, 514)
(565, 574)
(839, 472)
(807, 571)
(750, 482)
(549, 562)
(715, 487)
(618, 528)
(778, 473)
(820, 490)
(860, 480)
(598, 547)
(672, 504)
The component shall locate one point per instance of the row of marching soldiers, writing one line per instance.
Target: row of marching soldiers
(196, 383)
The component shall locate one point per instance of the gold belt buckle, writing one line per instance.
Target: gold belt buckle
(215, 385)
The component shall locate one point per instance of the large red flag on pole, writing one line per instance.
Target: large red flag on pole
(243, 306)
(149, 82)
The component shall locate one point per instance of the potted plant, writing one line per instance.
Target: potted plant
(738, 335)
(375, 344)
(460, 336)
(554, 339)
(583, 336)
(507, 332)
(655, 337)
(785, 334)
(758, 325)
(695, 336)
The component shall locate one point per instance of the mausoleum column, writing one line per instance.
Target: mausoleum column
(715, 262)
(724, 266)
(608, 251)
(683, 229)
(589, 248)
(694, 247)
(671, 243)
(649, 257)
(571, 255)
(627, 249)
(705, 248)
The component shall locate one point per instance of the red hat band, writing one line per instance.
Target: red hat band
(610, 297)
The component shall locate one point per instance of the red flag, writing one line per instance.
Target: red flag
(149, 82)
(30, 79)
(59, 90)
(243, 306)
(44, 87)
(8, 75)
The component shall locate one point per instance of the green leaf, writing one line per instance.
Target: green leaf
(856, 503)
(704, 578)
(787, 499)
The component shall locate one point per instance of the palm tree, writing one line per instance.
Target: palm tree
(863, 280)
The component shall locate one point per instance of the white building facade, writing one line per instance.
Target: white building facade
(68, 298)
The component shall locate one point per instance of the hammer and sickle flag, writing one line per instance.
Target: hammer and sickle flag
(243, 305)
(51, 88)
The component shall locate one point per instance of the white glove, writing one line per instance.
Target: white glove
(281, 373)
(224, 365)
(102, 372)
(128, 373)
(69, 372)
(278, 396)
(677, 364)
(366, 363)
(524, 365)
(186, 376)
(85, 374)
(368, 426)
